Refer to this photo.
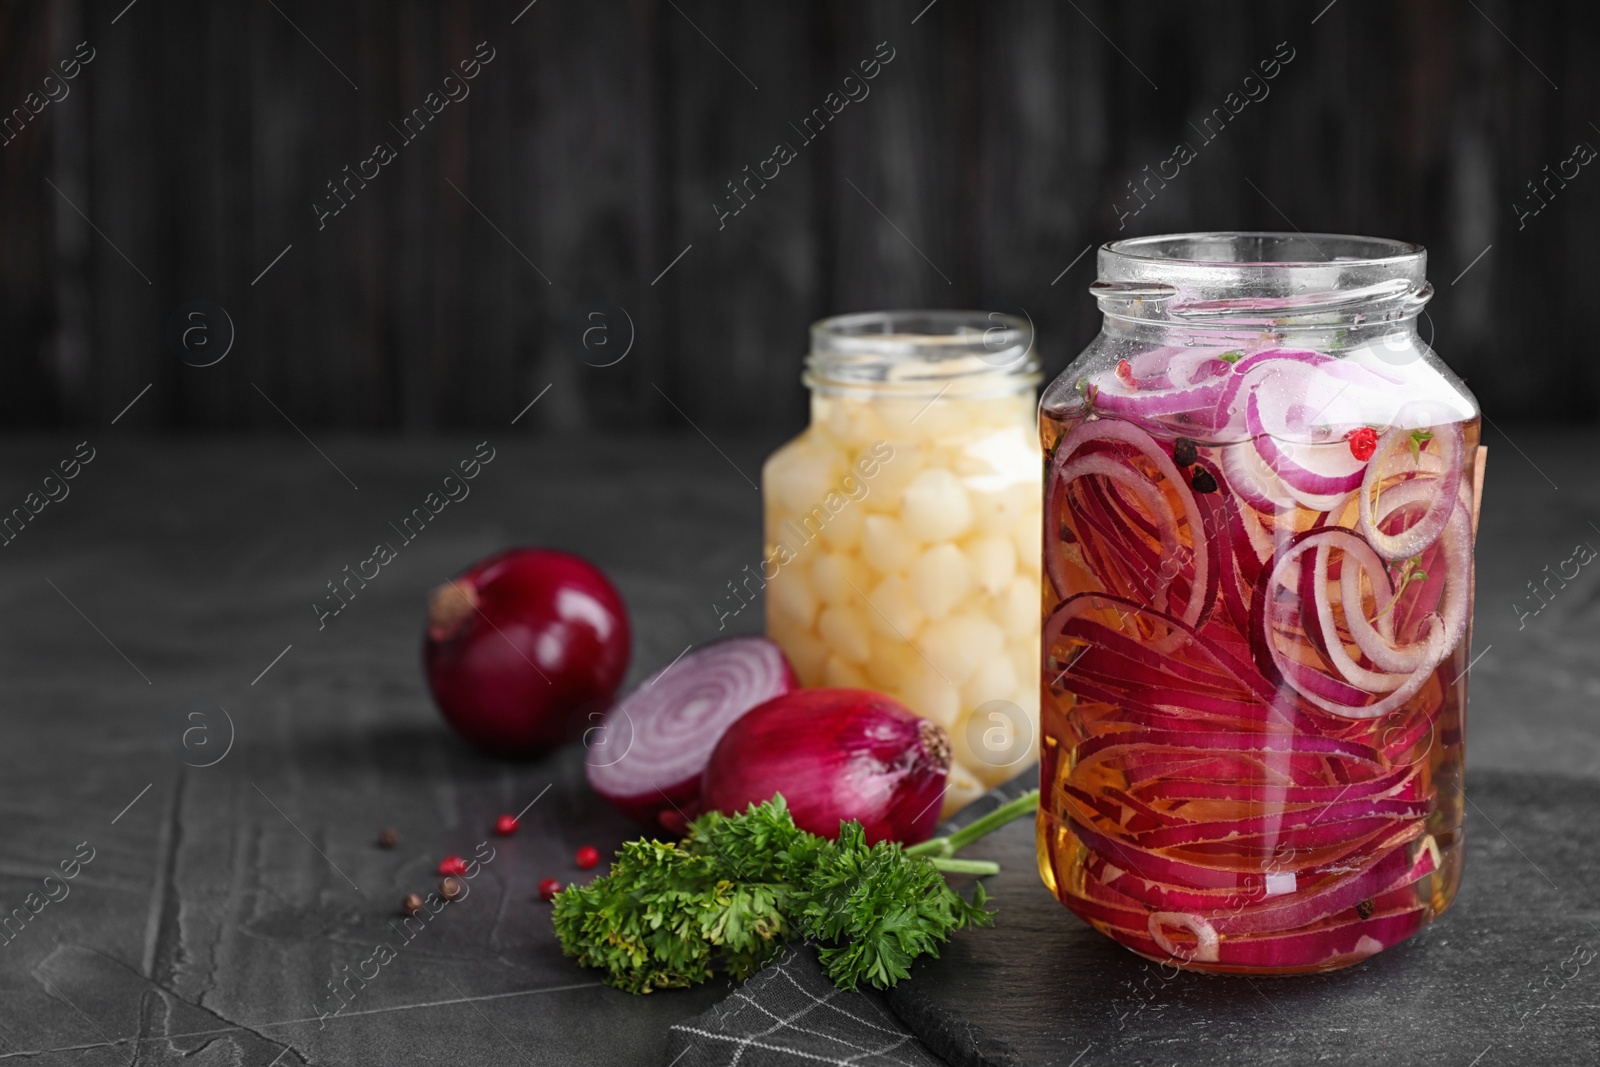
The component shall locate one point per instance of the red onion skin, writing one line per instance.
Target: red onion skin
(522, 647)
(834, 754)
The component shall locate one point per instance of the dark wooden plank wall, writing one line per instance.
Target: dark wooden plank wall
(600, 136)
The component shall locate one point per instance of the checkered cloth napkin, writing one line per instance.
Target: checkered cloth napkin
(791, 1013)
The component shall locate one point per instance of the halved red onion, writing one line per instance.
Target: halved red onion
(648, 754)
(835, 755)
(1412, 540)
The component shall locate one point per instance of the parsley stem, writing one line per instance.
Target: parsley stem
(955, 866)
(1026, 804)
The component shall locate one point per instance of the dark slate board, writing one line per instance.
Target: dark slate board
(1510, 974)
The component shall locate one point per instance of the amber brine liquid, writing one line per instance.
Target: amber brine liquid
(1198, 805)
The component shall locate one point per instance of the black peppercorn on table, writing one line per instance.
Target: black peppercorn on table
(199, 758)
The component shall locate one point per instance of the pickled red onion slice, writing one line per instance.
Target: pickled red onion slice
(1325, 691)
(1205, 948)
(1412, 540)
(1377, 643)
(1340, 473)
(1063, 471)
(1239, 794)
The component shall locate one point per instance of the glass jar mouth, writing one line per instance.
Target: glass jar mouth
(1262, 279)
(1263, 248)
(916, 350)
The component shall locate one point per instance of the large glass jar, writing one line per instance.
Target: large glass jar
(1260, 494)
(902, 528)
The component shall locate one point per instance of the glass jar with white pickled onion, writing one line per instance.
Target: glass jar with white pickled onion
(1261, 492)
(902, 528)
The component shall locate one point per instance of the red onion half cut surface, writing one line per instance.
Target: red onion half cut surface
(647, 755)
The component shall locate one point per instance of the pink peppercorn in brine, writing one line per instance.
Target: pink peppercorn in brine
(1259, 507)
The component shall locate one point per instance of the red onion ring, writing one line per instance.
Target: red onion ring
(1294, 474)
(1330, 694)
(1148, 494)
(1377, 644)
(1125, 433)
(1426, 530)
(1244, 372)
(1359, 552)
(1205, 949)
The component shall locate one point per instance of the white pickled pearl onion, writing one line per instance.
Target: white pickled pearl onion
(1426, 530)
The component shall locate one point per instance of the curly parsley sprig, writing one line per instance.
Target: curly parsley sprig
(730, 894)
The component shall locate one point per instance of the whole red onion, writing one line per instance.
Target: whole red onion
(834, 754)
(522, 647)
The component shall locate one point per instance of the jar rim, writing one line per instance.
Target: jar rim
(1259, 279)
(1356, 250)
(914, 347)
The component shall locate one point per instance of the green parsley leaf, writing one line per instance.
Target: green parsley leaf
(730, 894)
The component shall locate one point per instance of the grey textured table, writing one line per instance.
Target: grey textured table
(1506, 975)
(177, 580)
